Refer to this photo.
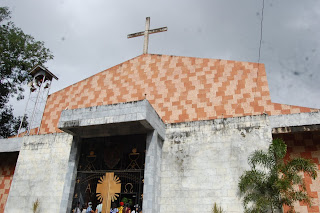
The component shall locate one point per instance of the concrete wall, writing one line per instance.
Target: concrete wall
(203, 160)
(198, 164)
(41, 171)
(10, 144)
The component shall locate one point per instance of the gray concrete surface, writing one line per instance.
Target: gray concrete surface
(203, 160)
(10, 144)
(115, 119)
(40, 173)
(152, 174)
(298, 119)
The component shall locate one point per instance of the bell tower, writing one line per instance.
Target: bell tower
(39, 90)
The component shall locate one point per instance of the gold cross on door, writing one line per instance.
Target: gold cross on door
(108, 188)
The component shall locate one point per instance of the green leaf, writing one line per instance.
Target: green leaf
(19, 52)
(270, 182)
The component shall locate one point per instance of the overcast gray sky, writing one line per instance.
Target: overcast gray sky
(87, 37)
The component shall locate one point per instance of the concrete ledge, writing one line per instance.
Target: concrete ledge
(10, 144)
(293, 120)
(240, 123)
(116, 119)
(288, 129)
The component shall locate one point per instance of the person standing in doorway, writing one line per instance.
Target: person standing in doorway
(89, 209)
(114, 208)
(121, 208)
(99, 208)
(126, 208)
(84, 208)
(77, 209)
(136, 209)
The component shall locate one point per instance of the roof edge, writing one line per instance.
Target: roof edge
(316, 109)
(151, 54)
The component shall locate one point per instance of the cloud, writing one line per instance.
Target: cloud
(87, 37)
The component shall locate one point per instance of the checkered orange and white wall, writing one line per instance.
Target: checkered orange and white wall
(7, 167)
(180, 89)
(306, 145)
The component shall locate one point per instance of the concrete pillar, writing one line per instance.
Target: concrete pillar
(151, 188)
(71, 175)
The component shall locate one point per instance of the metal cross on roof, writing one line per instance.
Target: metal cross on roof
(146, 33)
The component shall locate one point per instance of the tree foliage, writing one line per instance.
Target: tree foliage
(272, 183)
(19, 52)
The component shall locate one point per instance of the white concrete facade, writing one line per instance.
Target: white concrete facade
(40, 173)
(197, 164)
(203, 160)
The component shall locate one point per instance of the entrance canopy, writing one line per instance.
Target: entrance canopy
(136, 117)
(129, 118)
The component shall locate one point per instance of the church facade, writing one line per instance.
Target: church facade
(175, 133)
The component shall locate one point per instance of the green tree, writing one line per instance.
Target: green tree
(19, 52)
(271, 182)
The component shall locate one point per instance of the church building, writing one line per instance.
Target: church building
(169, 133)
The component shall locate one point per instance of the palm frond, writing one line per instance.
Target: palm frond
(35, 206)
(278, 148)
(271, 183)
(303, 165)
(217, 209)
(260, 158)
(251, 179)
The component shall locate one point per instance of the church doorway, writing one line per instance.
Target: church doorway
(111, 161)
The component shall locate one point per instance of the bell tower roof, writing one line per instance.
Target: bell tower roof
(39, 69)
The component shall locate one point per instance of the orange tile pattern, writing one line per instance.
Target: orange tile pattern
(7, 166)
(306, 145)
(32, 132)
(179, 88)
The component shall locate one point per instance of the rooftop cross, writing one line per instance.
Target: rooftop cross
(146, 33)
